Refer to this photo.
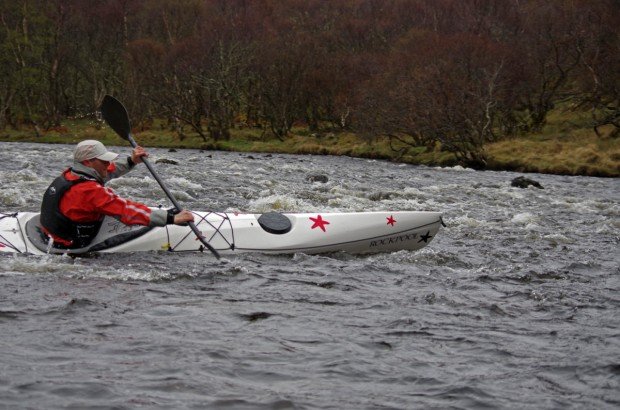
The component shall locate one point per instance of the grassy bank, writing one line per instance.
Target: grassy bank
(565, 146)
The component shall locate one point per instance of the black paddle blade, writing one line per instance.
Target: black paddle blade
(115, 114)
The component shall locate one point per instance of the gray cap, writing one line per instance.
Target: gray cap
(90, 149)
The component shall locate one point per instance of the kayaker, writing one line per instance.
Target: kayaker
(75, 204)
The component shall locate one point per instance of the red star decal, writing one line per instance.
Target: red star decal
(319, 222)
(391, 220)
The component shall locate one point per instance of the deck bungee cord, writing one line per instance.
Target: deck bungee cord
(217, 231)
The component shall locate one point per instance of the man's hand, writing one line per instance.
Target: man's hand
(137, 154)
(183, 217)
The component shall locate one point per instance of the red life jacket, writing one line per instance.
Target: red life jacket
(74, 217)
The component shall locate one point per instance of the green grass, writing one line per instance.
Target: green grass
(566, 145)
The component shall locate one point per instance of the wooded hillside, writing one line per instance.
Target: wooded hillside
(460, 73)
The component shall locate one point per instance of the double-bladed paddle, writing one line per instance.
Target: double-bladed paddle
(115, 114)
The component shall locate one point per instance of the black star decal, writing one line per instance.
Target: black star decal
(426, 237)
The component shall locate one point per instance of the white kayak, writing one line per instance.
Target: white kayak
(311, 233)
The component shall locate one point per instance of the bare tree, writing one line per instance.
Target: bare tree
(599, 82)
(438, 89)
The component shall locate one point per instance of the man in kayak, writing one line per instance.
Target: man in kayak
(75, 204)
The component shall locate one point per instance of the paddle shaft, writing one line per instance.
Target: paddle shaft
(172, 199)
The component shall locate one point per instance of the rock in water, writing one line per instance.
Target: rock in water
(523, 182)
(166, 161)
(317, 178)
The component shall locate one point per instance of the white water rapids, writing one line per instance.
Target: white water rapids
(513, 305)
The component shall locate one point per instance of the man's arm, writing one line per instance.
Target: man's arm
(121, 167)
(103, 200)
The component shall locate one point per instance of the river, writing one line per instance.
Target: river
(515, 304)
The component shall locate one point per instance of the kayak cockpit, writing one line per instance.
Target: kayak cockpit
(105, 239)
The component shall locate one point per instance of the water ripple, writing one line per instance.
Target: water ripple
(514, 304)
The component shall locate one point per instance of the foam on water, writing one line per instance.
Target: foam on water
(39, 264)
(465, 222)
(524, 218)
(456, 168)
(558, 239)
(132, 182)
(281, 203)
(11, 198)
(416, 193)
(26, 175)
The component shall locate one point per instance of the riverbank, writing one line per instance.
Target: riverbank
(565, 146)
